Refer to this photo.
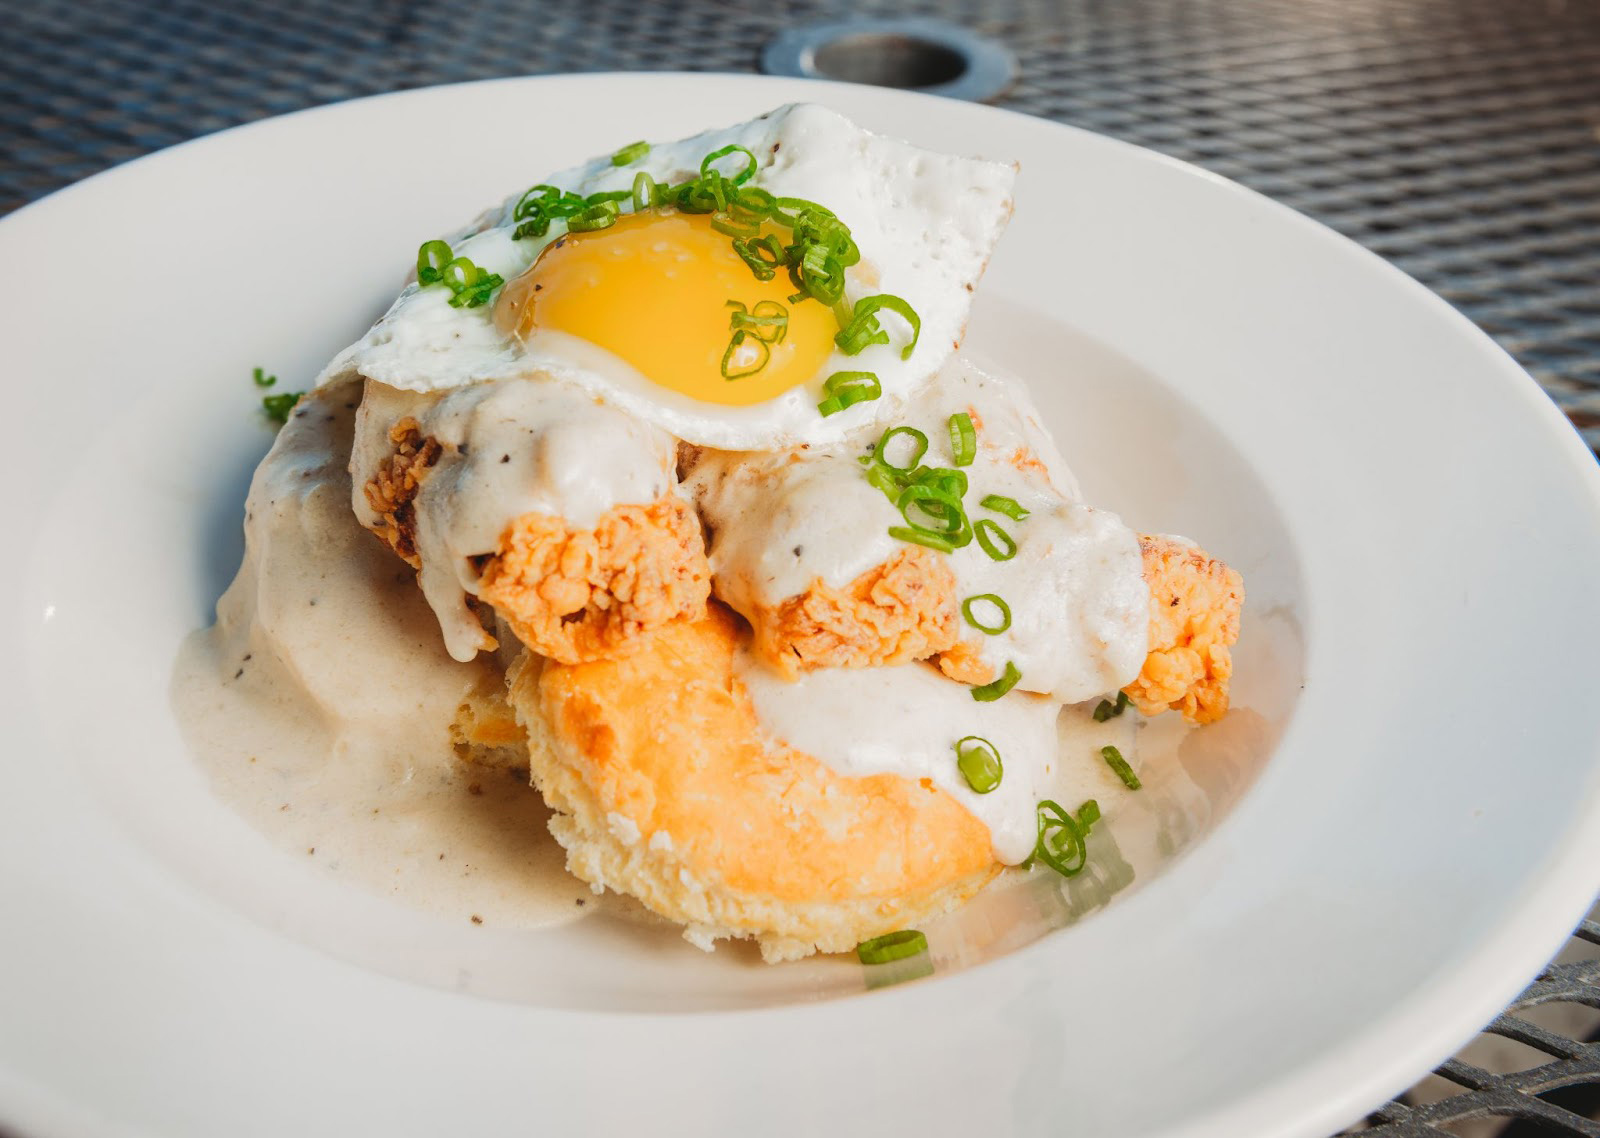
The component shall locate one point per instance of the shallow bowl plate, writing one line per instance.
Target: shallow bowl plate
(1419, 528)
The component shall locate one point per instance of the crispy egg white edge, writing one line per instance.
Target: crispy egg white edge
(422, 343)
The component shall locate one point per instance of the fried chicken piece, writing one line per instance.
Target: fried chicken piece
(577, 595)
(894, 613)
(1194, 621)
(571, 594)
(665, 789)
(393, 489)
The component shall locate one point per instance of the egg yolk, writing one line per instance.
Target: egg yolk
(653, 290)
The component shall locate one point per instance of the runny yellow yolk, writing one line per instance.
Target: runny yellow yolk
(653, 289)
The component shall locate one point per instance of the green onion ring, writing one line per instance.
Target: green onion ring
(963, 438)
(1119, 766)
(730, 370)
(600, 215)
(923, 496)
(1105, 709)
(988, 630)
(1060, 843)
(870, 306)
(458, 274)
(986, 531)
(1003, 505)
(948, 479)
(644, 191)
(846, 389)
(979, 763)
(891, 946)
(920, 440)
(432, 257)
(990, 692)
(922, 537)
(738, 179)
(630, 153)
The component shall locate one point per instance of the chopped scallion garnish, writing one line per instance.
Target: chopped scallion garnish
(978, 760)
(988, 629)
(707, 166)
(278, 407)
(846, 389)
(865, 329)
(1003, 505)
(432, 257)
(1119, 766)
(1105, 709)
(768, 321)
(891, 946)
(262, 379)
(630, 153)
(1062, 836)
(993, 540)
(988, 693)
(919, 441)
(963, 439)
(922, 537)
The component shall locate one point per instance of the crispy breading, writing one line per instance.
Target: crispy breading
(393, 489)
(1195, 601)
(666, 790)
(585, 594)
(1194, 622)
(902, 610)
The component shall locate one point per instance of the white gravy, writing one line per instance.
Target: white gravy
(1079, 628)
(320, 702)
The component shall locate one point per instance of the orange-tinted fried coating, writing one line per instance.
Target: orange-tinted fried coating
(577, 595)
(669, 792)
(1194, 621)
(393, 489)
(902, 610)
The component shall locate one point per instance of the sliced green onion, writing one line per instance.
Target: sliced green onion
(1119, 766)
(754, 201)
(732, 370)
(607, 196)
(738, 179)
(947, 478)
(920, 441)
(865, 316)
(630, 153)
(1060, 843)
(262, 379)
(990, 692)
(1105, 709)
(963, 439)
(922, 537)
(987, 629)
(846, 389)
(459, 273)
(933, 502)
(891, 946)
(599, 215)
(725, 223)
(880, 477)
(478, 292)
(768, 321)
(644, 193)
(978, 760)
(1003, 505)
(277, 407)
(762, 254)
(988, 533)
(1088, 815)
(432, 258)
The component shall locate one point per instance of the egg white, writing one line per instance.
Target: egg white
(925, 222)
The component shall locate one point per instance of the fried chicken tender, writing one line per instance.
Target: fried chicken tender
(894, 613)
(571, 594)
(1195, 601)
(1194, 622)
(665, 789)
(577, 595)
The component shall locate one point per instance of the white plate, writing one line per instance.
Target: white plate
(1418, 527)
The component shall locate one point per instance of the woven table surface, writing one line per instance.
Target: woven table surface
(1459, 139)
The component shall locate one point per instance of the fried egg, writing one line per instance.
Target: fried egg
(640, 313)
